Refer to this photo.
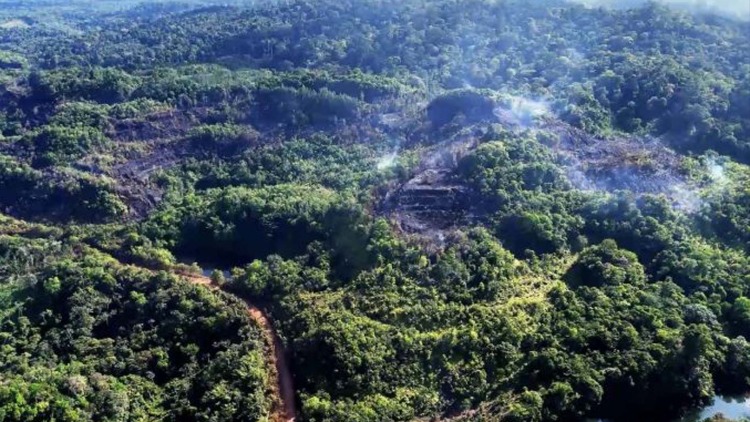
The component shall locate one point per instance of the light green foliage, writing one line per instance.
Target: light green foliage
(222, 136)
(55, 144)
(136, 108)
(81, 115)
(10, 60)
(606, 264)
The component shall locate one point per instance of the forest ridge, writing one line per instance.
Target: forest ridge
(372, 210)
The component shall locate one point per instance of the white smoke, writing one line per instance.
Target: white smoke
(578, 177)
(521, 111)
(717, 173)
(390, 159)
(690, 199)
(739, 9)
(685, 198)
(387, 161)
(655, 173)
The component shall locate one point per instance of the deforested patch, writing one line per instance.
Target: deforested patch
(433, 201)
(15, 24)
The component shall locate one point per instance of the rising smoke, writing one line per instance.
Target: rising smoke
(717, 172)
(520, 111)
(739, 9)
(390, 158)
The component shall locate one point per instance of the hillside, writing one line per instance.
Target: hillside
(371, 210)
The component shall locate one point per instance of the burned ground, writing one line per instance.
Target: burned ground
(640, 165)
(433, 200)
(160, 125)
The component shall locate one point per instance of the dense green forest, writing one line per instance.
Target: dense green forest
(474, 210)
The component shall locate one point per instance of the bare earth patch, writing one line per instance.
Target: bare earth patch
(14, 23)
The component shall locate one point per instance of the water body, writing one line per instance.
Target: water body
(733, 408)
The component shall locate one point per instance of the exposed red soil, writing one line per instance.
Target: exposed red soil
(284, 387)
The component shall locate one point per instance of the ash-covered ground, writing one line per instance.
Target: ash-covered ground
(432, 202)
(638, 165)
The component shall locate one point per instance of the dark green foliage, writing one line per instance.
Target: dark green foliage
(252, 223)
(472, 105)
(26, 192)
(302, 107)
(605, 264)
(16, 180)
(99, 85)
(519, 179)
(268, 136)
(82, 342)
(318, 160)
(59, 144)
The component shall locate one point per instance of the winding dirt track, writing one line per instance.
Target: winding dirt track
(283, 387)
(285, 410)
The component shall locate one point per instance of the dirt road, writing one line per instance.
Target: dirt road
(283, 387)
(285, 410)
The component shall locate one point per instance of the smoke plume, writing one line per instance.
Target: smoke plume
(389, 159)
(520, 111)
